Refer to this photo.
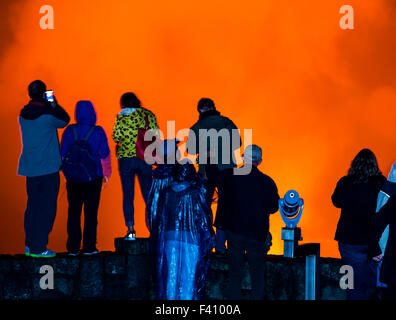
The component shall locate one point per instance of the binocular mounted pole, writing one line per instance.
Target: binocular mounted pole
(291, 208)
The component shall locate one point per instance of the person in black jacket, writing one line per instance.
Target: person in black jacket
(221, 138)
(356, 196)
(386, 216)
(253, 198)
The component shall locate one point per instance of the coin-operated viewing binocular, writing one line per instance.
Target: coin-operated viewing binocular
(291, 208)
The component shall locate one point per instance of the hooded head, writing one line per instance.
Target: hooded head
(184, 173)
(168, 150)
(392, 173)
(85, 113)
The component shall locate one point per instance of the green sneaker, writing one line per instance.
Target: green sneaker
(27, 251)
(46, 254)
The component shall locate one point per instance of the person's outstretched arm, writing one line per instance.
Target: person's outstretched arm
(61, 117)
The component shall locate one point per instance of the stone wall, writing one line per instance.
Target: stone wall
(125, 274)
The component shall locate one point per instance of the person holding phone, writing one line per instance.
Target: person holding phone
(40, 163)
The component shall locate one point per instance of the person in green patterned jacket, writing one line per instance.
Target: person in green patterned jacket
(133, 121)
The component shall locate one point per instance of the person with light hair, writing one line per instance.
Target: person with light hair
(253, 198)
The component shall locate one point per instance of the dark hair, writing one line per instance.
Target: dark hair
(364, 166)
(206, 104)
(130, 100)
(37, 89)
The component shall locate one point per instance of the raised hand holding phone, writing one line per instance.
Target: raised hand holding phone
(49, 96)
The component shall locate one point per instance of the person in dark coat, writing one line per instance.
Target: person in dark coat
(386, 217)
(40, 162)
(86, 194)
(217, 162)
(254, 197)
(356, 196)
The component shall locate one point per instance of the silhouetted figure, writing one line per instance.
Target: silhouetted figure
(40, 163)
(356, 196)
(131, 125)
(219, 156)
(184, 237)
(253, 198)
(387, 190)
(386, 217)
(88, 145)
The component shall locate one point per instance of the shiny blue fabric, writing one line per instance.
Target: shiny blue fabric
(184, 239)
(162, 178)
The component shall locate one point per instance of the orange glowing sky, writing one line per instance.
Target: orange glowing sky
(313, 94)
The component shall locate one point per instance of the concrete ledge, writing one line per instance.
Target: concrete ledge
(125, 274)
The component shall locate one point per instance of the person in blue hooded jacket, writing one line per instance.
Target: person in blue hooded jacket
(86, 194)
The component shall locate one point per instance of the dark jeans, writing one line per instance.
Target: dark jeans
(79, 195)
(364, 270)
(40, 212)
(220, 180)
(129, 168)
(256, 252)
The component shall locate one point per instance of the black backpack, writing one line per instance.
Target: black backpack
(79, 164)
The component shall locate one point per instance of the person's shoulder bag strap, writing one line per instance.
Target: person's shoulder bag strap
(89, 133)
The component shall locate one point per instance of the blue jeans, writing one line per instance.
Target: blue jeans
(129, 168)
(364, 270)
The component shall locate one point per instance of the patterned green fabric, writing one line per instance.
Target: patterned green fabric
(126, 130)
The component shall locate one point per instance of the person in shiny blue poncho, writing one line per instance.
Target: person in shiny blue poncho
(162, 178)
(184, 236)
